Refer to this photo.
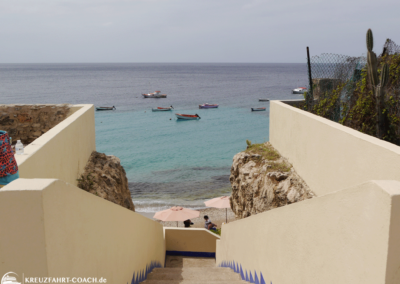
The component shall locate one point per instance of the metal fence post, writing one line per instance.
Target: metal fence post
(309, 97)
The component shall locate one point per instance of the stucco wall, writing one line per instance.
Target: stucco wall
(63, 151)
(190, 240)
(328, 155)
(52, 228)
(350, 236)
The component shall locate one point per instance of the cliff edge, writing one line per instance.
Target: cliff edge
(105, 177)
(262, 180)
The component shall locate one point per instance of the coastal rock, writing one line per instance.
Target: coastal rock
(28, 122)
(105, 177)
(258, 185)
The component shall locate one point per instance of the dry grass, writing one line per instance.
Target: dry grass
(279, 167)
(269, 155)
(266, 151)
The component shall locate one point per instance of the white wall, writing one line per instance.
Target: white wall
(63, 151)
(350, 236)
(52, 228)
(190, 240)
(328, 155)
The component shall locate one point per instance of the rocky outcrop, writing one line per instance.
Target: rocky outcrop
(28, 122)
(258, 184)
(105, 177)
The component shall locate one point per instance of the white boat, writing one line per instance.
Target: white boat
(208, 106)
(163, 108)
(300, 90)
(187, 116)
(156, 94)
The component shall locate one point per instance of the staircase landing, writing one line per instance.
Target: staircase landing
(192, 270)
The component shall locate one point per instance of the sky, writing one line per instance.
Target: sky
(205, 31)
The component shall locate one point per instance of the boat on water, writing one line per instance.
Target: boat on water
(156, 94)
(187, 116)
(106, 108)
(163, 108)
(208, 106)
(300, 90)
(263, 100)
(258, 109)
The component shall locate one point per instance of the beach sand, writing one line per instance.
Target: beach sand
(216, 215)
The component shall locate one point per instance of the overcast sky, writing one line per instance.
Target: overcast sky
(52, 31)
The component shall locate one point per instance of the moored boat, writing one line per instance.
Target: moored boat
(163, 108)
(263, 100)
(156, 94)
(258, 108)
(208, 106)
(106, 108)
(187, 116)
(300, 90)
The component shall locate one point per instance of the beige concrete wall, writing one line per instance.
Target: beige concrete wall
(190, 239)
(350, 236)
(52, 228)
(328, 155)
(63, 151)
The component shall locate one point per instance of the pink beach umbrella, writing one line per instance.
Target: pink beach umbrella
(176, 213)
(219, 202)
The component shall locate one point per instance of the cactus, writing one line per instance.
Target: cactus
(378, 87)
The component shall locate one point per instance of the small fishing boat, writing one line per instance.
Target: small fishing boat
(106, 108)
(163, 108)
(187, 116)
(208, 106)
(263, 100)
(300, 90)
(156, 94)
(258, 108)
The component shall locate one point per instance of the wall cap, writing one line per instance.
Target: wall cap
(368, 138)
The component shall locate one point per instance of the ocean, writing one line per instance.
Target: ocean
(167, 162)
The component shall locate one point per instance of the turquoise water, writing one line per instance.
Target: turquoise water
(192, 157)
(168, 162)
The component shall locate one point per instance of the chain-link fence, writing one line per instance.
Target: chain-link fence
(330, 72)
(340, 91)
(390, 48)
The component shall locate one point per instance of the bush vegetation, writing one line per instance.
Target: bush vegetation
(371, 108)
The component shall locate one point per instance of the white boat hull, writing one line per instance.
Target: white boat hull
(156, 94)
(156, 109)
(299, 91)
(178, 116)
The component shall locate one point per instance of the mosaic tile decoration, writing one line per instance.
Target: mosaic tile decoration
(142, 275)
(246, 276)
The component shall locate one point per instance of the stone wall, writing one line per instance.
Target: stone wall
(28, 122)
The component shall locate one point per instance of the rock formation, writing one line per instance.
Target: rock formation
(28, 122)
(105, 177)
(261, 182)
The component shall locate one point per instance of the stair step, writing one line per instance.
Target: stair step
(193, 282)
(198, 275)
(188, 269)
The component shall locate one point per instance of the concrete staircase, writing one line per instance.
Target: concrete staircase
(192, 270)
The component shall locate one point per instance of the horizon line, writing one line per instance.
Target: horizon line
(154, 63)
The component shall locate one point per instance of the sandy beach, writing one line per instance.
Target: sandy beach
(217, 216)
